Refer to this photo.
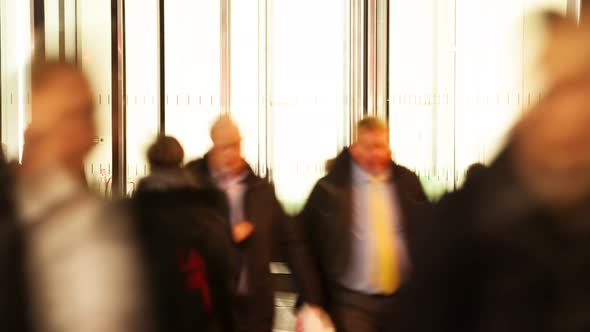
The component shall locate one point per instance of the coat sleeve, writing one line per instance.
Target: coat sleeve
(299, 255)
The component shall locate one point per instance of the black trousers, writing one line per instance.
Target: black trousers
(357, 312)
(249, 316)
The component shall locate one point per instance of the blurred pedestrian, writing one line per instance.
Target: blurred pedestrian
(186, 245)
(258, 225)
(82, 265)
(509, 251)
(360, 220)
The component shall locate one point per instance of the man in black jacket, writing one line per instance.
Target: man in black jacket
(257, 220)
(359, 220)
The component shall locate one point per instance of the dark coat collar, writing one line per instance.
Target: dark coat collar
(340, 173)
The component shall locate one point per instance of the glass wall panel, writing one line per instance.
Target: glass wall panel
(94, 51)
(248, 77)
(141, 51)
(489, 77)
(192, 41)
(15, 50)
(460, 73)
(70, 24)
(54, 26)
(421, 88)
(308, 80)
(51, 11)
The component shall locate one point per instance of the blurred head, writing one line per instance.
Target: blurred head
(551, 143)
(371, 150)
(475, 171)
(225, 157)
(62, 128)
(166, 152)
(567, 53)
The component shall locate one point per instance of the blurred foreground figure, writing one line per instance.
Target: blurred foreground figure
(6, 191)
(361, 220)
(186, 245)
(13, 308)
(258, 223)
(511, 250)
(81, 264)
(551, 148)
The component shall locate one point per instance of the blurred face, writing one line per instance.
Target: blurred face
(226, 154)
(371, 151)
(62, 126)
(567, 52)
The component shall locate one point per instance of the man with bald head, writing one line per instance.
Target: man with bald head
(81, 265)
(257, 223)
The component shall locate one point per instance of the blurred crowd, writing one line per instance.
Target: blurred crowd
(191, 249)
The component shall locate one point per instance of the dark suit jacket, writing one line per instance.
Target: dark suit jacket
(327, 216)
(272, 228)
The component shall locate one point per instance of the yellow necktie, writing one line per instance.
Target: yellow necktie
(385, 274)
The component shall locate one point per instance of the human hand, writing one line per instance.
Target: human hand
(312, 318)
(242, 230)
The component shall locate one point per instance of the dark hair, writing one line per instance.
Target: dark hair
(165, 152)
(475, 171)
